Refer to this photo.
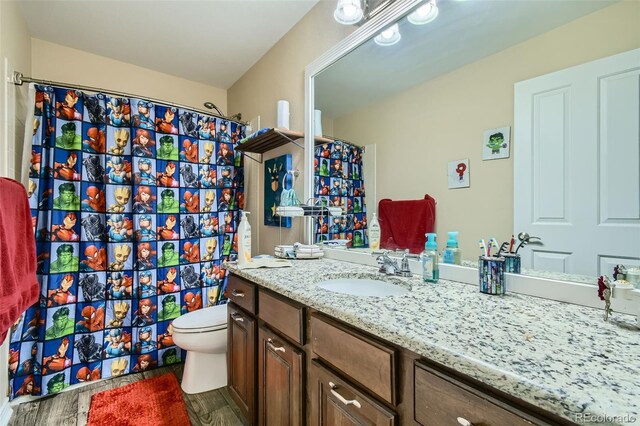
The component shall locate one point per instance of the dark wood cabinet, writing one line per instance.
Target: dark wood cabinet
(441, 399)
(291, 365)
(280, 381)
(241, 360)
(335, 402)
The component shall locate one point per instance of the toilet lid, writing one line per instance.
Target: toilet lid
(206, 319)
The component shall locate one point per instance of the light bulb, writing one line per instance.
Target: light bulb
(389, 36)
(349, 10)
(388, 33)
(424, 14)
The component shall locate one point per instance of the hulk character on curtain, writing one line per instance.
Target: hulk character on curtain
(134, 208)
(339, 183)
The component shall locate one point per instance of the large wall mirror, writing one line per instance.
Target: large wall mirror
(431, 98)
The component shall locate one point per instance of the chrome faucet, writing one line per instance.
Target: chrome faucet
(387, 265)
(390, 266)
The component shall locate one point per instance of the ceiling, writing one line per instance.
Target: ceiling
(209, 41)
(464, 32)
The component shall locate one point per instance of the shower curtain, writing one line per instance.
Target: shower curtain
(339, 183)
(134, 207)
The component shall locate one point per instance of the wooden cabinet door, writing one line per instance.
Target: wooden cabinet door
(280, 378)
(335, 402)
(241, 359)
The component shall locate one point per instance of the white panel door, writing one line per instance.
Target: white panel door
(577, 166)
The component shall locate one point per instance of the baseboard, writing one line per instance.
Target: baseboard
(5, 412)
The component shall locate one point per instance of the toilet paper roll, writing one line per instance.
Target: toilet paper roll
(283, 114)
(317, 122)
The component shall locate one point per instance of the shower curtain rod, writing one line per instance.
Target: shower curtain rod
(19, 79)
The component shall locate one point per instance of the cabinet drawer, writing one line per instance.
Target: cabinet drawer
(285, 316)
(369, 363)
(440, 400)
(335, 402)
(242, 293)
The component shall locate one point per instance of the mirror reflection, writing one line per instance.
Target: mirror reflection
(436, 115)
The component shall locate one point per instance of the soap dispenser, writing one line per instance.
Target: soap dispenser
(452, 253)
(374, 233)
(429, 258)
(244, 240)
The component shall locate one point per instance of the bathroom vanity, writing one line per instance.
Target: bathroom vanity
(439, 354)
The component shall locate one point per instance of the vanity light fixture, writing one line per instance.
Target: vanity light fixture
(348, 12)
(424, 14)
(388, 37)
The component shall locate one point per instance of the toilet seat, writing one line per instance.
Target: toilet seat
(202, 321)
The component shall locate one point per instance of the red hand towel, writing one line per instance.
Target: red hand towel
(19, 287)
(404, 223)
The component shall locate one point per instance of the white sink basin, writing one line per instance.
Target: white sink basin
(362, 287)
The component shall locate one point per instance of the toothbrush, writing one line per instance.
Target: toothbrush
(492, 243)
(483, 247)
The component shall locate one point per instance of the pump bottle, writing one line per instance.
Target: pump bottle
(244, 240)
(429, 258)
(374, 233)
(452, 254)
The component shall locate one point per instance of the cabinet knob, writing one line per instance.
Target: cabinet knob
(274, 347)
(237, 293)
(464, 422)
(237, 317)
(342, 399)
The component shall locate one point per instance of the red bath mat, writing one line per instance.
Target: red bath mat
(151, 402)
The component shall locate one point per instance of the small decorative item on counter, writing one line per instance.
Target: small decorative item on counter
(512, 263)
(491, 272)
(604, 293)
(619, 272)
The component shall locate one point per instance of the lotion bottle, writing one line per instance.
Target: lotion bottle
(452, 253)
(244, 240)
(374, 233)
(429, 258)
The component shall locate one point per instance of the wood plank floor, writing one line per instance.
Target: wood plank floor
(72, 408)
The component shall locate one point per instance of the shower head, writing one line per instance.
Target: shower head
(211, 105)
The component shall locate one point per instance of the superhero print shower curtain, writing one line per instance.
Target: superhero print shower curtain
(339, 183)
(135, 207)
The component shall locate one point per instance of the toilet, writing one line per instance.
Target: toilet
(203, 334)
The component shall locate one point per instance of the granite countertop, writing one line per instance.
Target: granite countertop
(563, 358)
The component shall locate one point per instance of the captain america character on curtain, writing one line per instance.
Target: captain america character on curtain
(134, 208)
(338, 182)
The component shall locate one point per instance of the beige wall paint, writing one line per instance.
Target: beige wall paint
(279, 74)
(15, 46)
(64, 64)
(443, 120)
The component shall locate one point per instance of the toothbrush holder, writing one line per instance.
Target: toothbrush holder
(512, 263)
(491, 273)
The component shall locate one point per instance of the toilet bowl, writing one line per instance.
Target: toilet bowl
(203, 334)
